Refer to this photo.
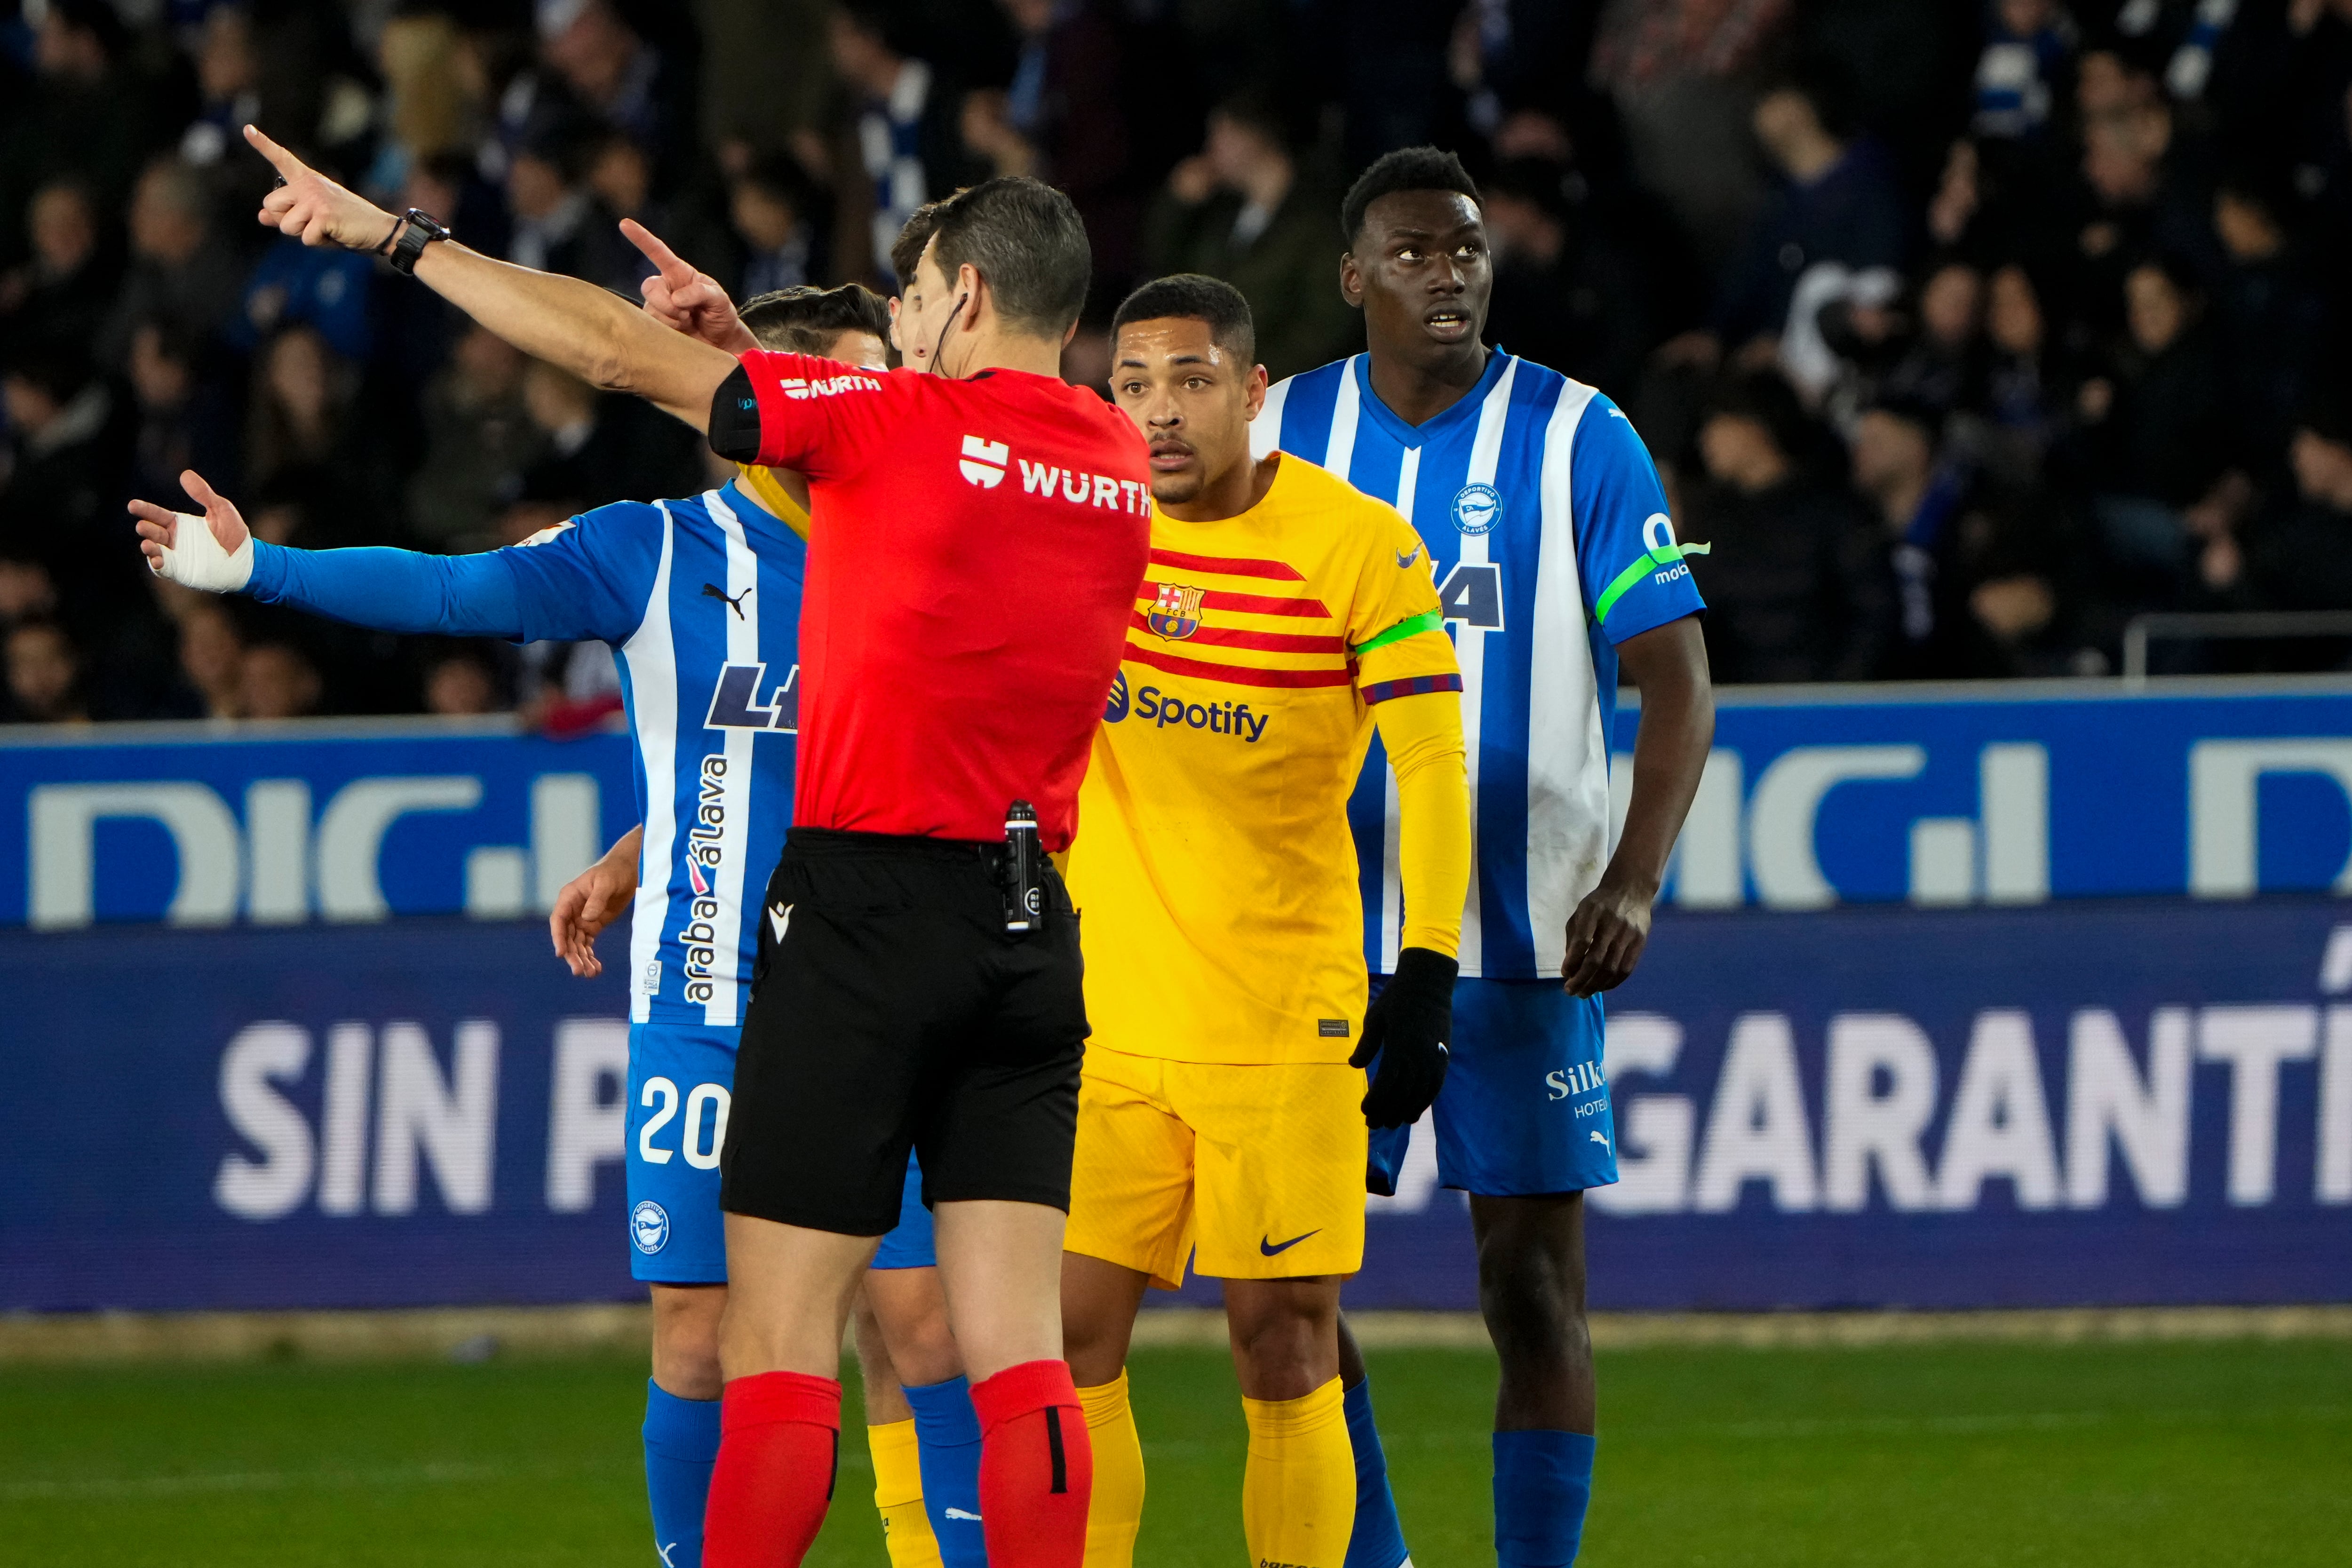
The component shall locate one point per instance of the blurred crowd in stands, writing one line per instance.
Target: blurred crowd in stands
(1963, 331)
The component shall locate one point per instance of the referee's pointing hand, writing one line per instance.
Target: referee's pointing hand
(312, 208)
(684, 300)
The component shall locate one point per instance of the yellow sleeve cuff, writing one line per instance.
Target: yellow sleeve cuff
(1422, 736)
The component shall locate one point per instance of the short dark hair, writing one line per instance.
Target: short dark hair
(98, 19)
(1188, 296)
(59, 370)
(1912, 410)
(780, 176)
(2325, 410)
(906, 250)
(1764, 397)
(1027, 240)
(806, 320)
(2176, 269)
(883, 23)
(1827, 89)
(41, 621)
(1255, 111)
(1406, 169)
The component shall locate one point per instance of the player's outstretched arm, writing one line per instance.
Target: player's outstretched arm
(593, 900)
(383, 589)
(1410, 1026)
(1609, 928)
(567, 322)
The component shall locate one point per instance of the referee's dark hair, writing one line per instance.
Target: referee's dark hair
(1406, 169)
(807, 320)
(1028, 241)
(1188, 296)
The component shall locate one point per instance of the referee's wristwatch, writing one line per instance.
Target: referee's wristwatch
(410, 234)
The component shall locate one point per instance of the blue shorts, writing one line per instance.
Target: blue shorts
(681, 1078)
(1525, 1108)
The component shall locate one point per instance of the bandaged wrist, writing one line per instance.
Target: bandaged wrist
(196, 559)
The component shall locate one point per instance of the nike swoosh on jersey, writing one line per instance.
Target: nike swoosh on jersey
(1407, 557)
(1272, 1248)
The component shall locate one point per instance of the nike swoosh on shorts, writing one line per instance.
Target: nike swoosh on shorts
(1272, 1248)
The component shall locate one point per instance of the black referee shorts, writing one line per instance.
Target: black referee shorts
(890, 1009)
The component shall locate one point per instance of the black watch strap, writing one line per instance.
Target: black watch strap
(414, 233)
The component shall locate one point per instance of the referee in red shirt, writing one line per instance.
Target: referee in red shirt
(980, 534)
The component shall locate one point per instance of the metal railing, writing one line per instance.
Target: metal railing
(2236, 626)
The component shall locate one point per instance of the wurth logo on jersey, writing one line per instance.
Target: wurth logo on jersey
(1085, 490)
(983, 462)
(794, 386)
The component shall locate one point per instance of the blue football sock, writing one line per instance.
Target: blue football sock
(1378, 1541)
(1542, 1482)
(681, 1445)
(946, 1434)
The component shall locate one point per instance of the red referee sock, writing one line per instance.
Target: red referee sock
(780, 1441)
(1036, 1468)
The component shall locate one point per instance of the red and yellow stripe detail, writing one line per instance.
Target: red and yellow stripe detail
(1260, 624)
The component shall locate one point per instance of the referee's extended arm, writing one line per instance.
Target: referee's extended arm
(567, 322)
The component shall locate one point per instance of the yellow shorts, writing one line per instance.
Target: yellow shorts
(1260, 1168)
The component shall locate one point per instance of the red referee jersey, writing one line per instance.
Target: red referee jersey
(973, 558)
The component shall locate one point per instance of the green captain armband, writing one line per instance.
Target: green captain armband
(1664, 555)
(1411, 627)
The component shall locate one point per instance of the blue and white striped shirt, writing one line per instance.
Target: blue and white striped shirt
(1550, 540)
(701, 600)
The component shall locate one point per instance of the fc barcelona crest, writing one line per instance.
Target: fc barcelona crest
(1176, 613)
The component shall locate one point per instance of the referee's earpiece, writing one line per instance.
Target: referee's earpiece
(941, 341)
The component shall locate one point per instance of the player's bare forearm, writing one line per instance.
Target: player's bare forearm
(1609, 928)
(1668, 664)
(624, 854)
(576, 326)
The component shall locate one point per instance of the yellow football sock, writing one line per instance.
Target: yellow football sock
(1116, 1510)
(1299, 1494)
(899, 1496)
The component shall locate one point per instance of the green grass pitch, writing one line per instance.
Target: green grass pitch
(2233, 1453)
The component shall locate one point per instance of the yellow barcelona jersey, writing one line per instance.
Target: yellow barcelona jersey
(1214, 867)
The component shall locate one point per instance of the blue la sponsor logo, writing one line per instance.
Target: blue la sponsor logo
(1116, 709)
(649, 1226)
(1478, 509)
(735, 704)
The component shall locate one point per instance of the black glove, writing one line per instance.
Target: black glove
(1407, 1027)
